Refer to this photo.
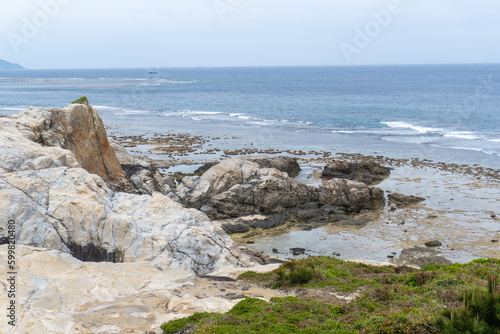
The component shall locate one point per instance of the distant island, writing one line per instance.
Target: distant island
(5, 65)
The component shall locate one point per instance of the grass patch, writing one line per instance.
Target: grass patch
(391, 300)
(81, 100)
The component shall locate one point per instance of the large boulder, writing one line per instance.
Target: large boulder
(354, 196)
(240, 186)
(368, 172)
(56, 204)
(77, 128)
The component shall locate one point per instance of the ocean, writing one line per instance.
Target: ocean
(448, 113)
(444, 113)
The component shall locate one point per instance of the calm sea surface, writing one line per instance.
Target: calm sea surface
(443, 112)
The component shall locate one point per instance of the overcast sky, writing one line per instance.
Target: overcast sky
(185, 33)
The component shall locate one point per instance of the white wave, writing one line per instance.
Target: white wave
(180, 82)
(494, 140)
(260, 123)
(131, 79)
(235, 115)
(244, 117)
(462, 135)
(343, 131)
(404, 125)
(476, 149)
(106, 107)
(132, 112)
(202, 112)
(11, 108)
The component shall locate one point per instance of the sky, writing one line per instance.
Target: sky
(189, 33)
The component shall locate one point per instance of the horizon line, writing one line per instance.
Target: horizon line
(251, 66)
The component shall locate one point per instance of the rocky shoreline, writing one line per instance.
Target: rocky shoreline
(78, 198)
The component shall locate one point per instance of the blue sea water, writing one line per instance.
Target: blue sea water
(443, 112)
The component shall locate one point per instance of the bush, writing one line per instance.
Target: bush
(480, 312)
(295, 273)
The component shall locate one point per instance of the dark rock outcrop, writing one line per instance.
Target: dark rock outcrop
(401, 200)
(242, 186)
(274, 220)
(433, 243)
(235, 228)
(367, 172)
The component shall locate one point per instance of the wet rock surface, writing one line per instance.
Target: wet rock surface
(400, 200)
(368, 172)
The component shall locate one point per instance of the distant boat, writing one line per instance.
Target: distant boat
(152, 72)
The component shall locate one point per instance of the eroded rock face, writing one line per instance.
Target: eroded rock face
(367, 172)
(79, 129)
(240, 186)
(56, 204)
(354, 196)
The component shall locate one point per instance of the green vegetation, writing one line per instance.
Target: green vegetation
(460, 298)
(83, 99)
(480, 312)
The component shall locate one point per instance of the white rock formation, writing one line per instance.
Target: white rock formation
(58, 205)
(58, 294)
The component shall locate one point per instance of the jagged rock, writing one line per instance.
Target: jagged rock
(58, 205)
(240, 186)
(400, 200)
(354, 196)
(368, 172)
(79, 129)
